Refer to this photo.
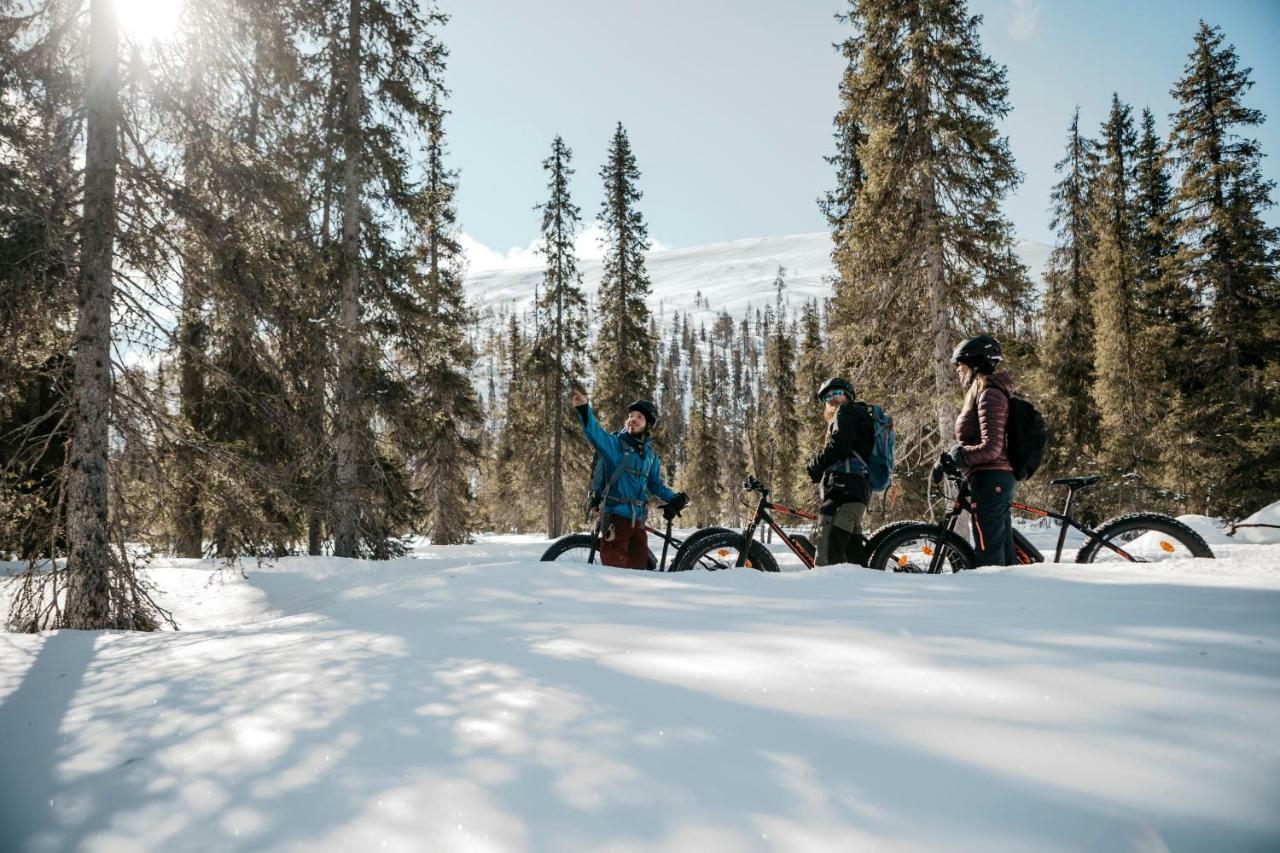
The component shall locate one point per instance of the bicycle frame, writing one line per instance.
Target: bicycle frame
(963, 500)
(762, 515)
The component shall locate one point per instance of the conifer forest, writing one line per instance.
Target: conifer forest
(234, 320)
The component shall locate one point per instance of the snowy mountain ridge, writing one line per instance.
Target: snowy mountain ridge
(703, 280)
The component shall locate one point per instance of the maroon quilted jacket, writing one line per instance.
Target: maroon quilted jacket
(981, 430)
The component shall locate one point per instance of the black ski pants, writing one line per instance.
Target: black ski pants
(992, 517)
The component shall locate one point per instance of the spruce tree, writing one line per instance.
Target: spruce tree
(1126, 383)
(700, 476)
(811, 372)
(624, 351)
(451, 414)
(671, 403)
(101, 589)
(1228, 255)
(782, 427)
(351, 421)
(1066, 375)
(1172, 323)
(925, 246)
(400, 290)
(44, 94)
(560, 352)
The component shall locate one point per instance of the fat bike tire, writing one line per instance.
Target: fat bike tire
(910, 548)
(1145, 537)
(576, 547)
(720, 550)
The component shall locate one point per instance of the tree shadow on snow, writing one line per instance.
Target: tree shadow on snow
(446, 710)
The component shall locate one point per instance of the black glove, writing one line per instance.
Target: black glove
(814, 472)
(672, 508)
(949, 462)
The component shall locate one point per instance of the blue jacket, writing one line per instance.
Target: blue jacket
(641, 468)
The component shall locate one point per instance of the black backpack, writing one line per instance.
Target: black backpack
(1025, 436)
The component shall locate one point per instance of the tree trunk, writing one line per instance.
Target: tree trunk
(315, 514)
(89, 563)
(346, 442)
(939, 327)
(191, 337)
(191, 333)
(555, 506)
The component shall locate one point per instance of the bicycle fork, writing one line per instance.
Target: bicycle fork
(749, 536)
(750, 533)
(940, 547)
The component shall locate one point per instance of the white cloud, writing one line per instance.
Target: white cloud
(481, 258)
(1022, 18)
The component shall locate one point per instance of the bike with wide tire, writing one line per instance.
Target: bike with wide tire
(718, 548)
(585, 547)
(1140, 537)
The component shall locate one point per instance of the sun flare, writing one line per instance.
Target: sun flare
(148, 21)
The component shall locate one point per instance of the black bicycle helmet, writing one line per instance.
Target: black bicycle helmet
(981, 352)
(649, 410)
(836, 383)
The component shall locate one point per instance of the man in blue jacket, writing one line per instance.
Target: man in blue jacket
(636, 474)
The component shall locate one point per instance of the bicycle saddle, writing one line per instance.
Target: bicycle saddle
(1076, 482)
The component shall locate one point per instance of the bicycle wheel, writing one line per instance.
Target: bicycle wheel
(882, 532)
(576, 547)
(692, 542)
(719, 550)
(1144, 537)
(910, 548)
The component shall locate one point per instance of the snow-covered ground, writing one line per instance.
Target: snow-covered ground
(471, 698)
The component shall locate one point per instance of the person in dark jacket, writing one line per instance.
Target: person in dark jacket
(635, 475)
(982, 451)
(840, 470)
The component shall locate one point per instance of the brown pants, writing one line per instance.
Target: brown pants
(624, 544)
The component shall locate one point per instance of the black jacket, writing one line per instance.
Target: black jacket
(851, 431)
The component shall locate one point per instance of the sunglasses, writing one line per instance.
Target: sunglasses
(831, 395)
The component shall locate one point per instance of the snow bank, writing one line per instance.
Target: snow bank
(1261, 535)
(472, 699)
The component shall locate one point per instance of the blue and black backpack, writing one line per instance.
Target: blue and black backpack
(878, 469)
(880, 465)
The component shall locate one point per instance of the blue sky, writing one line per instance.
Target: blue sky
(729, 103)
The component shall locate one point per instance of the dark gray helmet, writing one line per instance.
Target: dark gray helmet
(981, 352)
(836, 384)
(649, 410)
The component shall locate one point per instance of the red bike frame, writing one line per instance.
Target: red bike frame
(762, 514)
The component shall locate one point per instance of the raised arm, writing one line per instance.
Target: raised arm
(607, 444)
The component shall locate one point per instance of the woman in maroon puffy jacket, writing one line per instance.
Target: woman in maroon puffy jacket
(982, 450)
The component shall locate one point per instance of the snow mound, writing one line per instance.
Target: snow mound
(1261, 535)
(1210, 529)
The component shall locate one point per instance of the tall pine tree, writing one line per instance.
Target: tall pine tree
(1125, 386)
(624, 355)
(922, 255)
(1066, 374)
(1229, 256)
(560, 351)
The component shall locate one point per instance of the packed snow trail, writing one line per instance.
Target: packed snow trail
(473, 699)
